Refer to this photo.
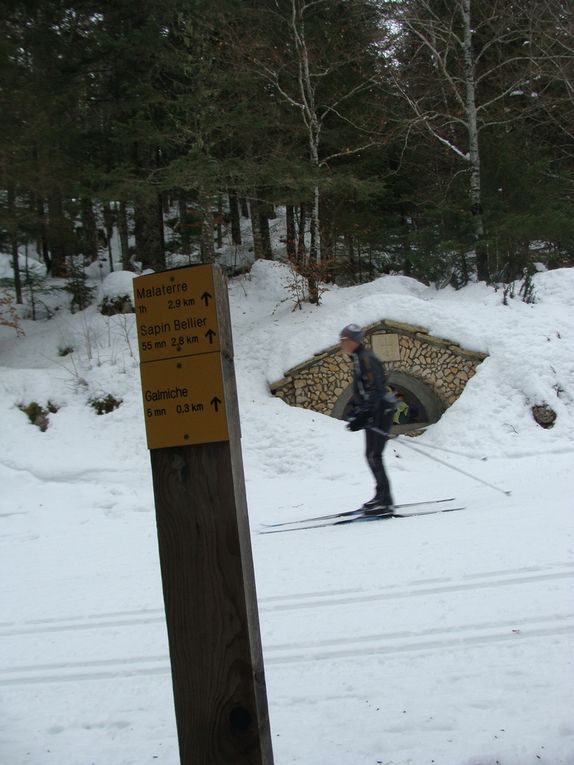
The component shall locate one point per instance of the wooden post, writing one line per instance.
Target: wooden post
(203, 531)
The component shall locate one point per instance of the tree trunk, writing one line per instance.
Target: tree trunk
(474, 154)
(41, 238)
(349, 246)
(235, 221)
(327, 230)
(184, 225)
(269, 208)
(60, 235)
(266, 238)
(265, 210)
(109, 224)
(13, 226)
(314, 229)
(260, 227)
(258, 246)
(291, 233)
(219, 222)
(244, 207)
(207, 245)
(90, 230)
(301, 248)
(307, 86)
(406, 247)
(148, 224)
(123, 230)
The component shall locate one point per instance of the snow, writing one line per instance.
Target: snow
(118, 284)
(444, 639)
(31, 264)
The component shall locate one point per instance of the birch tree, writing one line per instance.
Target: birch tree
(468, 59)
(316, 57)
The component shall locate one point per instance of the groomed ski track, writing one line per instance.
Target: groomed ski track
(390, 642)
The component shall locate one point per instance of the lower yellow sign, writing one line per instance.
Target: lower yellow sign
(184, 401)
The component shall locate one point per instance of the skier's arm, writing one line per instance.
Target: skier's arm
(373, 384)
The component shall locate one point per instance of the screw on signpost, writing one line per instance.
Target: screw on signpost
(193, 432)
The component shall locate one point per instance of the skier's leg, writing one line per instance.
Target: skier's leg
(375, 444)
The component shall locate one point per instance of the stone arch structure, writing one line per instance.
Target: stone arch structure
(428, 371)
(420, 397)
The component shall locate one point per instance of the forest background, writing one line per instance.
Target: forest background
(433, 138)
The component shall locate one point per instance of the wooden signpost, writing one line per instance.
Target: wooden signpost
(192, 427)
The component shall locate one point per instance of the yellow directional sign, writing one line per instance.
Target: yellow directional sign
(184, 401)
(180, 354)
(176, 313)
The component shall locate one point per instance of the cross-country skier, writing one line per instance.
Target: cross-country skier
(370, 407)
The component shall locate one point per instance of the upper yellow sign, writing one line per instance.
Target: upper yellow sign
(176, 313)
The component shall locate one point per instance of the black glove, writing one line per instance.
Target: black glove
(358, 421)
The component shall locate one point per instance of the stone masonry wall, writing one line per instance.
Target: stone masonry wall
(444, 366)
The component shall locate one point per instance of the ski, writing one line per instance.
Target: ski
(362, 518)
(350, 513)
(416, 514)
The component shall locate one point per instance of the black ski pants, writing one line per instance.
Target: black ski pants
(374, 446)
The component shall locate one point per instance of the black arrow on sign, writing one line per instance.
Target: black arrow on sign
(210, 334)
(205, 297)
(215, 402)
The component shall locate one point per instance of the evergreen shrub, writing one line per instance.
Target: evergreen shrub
(105, 404)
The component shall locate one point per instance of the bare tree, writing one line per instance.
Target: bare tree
(552, 82)
(458, 64)
(311, 71)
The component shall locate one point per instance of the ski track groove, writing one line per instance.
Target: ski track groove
(301, 601)
(346, 648)
(423, 591)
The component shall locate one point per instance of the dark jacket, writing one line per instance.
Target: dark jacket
(369, 382)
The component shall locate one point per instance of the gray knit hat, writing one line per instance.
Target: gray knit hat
(352, 332)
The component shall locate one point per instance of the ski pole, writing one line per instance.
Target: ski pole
(400, 437)
(446, 464)
(441, 449)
